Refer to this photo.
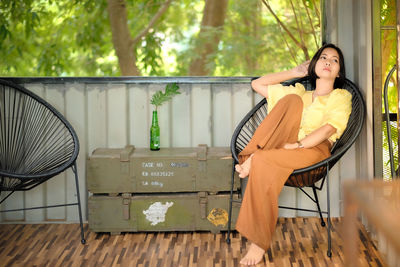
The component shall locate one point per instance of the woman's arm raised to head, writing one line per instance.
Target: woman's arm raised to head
(260, 85)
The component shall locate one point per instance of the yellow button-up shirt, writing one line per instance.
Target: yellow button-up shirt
(334, 108)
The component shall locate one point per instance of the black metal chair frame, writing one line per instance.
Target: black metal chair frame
(305, 177)
(393, 170)
(13, 177)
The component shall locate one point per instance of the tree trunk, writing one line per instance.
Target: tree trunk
(121, 38)
(252, 24)
(214, 14)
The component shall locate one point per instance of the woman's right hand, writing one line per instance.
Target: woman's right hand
(302, 69)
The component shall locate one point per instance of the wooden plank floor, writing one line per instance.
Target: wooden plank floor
(297, 242)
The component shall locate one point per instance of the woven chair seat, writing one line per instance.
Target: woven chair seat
(36, 142)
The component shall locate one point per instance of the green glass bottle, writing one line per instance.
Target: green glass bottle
(154, 133)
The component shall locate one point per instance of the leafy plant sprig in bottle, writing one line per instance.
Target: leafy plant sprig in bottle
(157, 100)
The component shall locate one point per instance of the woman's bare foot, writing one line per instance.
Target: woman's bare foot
(253, 256)
(244, 169)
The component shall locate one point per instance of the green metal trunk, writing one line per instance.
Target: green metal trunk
(174, 189)
(141, 170)
(161, 212)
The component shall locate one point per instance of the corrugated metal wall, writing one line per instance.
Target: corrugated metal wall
(114, 113)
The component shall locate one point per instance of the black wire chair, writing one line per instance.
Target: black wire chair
(36, 143)
(305, 177)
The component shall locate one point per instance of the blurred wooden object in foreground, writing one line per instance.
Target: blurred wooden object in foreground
(379, 202)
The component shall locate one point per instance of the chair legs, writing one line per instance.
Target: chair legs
(329, 252)
(83, 241)
(228, 238)
(319, 209)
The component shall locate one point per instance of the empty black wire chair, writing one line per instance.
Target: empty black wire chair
(309, 176)
(36, 143)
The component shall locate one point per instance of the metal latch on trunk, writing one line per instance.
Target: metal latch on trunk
(202, 152)
(126, 200)
(124, 158)
(202, 159)
(203, 199)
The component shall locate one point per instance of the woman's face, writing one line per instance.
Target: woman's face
(327, 66)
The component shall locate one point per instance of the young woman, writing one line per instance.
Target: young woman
(299, 131)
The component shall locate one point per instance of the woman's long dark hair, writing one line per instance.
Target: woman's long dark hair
(339, 81)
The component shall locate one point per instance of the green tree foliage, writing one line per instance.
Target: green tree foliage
(67, 38)
(252, 41)
(73, 38)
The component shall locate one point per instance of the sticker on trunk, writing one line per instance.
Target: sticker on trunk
(218, 216)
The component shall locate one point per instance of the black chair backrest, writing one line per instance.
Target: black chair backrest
(36, 141)
(246, 128)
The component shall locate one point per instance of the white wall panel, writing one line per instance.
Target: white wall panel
(222, 114)
(349, 168)
(257, 98)
(15, 201)
(201, 114)
(181, 129)
(36, 88)
(117, 116)
(242, 102)
(35, 198)
(139, 110)
(287, 198)
(97, 116)
(55, 95)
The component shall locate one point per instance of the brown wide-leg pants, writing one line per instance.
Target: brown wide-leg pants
(271, 166)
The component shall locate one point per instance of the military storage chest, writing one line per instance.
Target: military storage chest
(173, 189)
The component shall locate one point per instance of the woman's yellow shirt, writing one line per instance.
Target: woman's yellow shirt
(334, 108)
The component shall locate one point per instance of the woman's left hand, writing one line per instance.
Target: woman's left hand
(291, 146)
(302, 69)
